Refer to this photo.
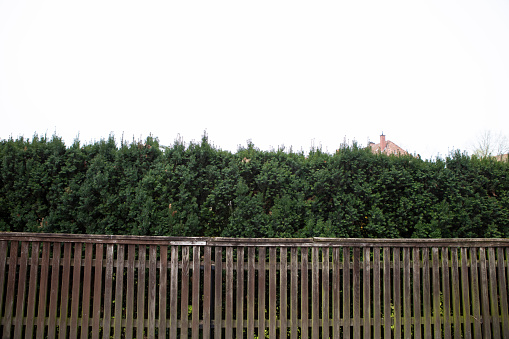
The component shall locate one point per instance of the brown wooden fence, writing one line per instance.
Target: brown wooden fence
(75, 286)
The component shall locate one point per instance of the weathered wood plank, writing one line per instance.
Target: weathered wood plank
(426, 293)
(325, 292)
(240, 293)
(76, 281)
(163, 288)
(304, 293)
(43, 290)
(436, 293)
(356, 294)
(485, 302)
(3, 259)
(283, 271)
(387, 291)
(272, 292)
(495, 313)
(346, 293)
(366, 284)
(174, 276)
(228, 312)
(456, 310)
(11, 281)
(397, 298)
(218, 295)
(315, 290)
(377, 309)
(131, 257)
(416, 270)
(195, 320)
(446, 292)
(465, 295)
(207, 278)
(184, 293)
(140, 302)
(250, 292)
(502, 284)
(474, 287)
(407, 302)
(32, 288)
(261, 292)
(294, 301)
(336, 303)
(98, 278)
(87, 286)
(20, 304)
(119, 289)
(152, 291)
(108, 285)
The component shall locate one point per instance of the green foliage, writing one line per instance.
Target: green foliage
(199, 190)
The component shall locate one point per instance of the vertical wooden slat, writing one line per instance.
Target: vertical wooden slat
(502, 283)
(283, 291)
(250, 291)
(11, 280)
(416, 269)
(446, 292)
(294, 301)
(465, 295)
(356, 293)
(76, 280)
(218, 299)
(315, 302)
(476, 305)
(131, 257)
(456, 311)
(3, 258)
(196, 293)
(436, 293)
(396, 285)
(140, 300)
(207, 276)
(184, 299)
(346, 293)
(387, 291)
(261, 292)
(366, 273)
(240, 292)
(87, 285)
(20, 305)
(32, 288)
(335, 294)
(43, 290)
(119, 288)
(152, 291)
(272, 292)
(174, 291)
(495, 315)
(98, 270)
(377, 310)
(228, 312)
(325, 292)
(407, 315)
(304, 293)
(163, 287)
(485, 302)
(426, 293)
(108, 285)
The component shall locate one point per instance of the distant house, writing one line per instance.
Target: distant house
(502, 157)
(386, 147)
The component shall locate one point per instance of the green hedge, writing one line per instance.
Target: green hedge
(200, 190)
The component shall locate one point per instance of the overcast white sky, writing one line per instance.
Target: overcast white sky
(432, 75)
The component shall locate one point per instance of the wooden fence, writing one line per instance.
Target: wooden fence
(76, 286)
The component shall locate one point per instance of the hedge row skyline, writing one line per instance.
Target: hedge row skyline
(197, 189)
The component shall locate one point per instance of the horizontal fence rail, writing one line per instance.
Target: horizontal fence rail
(93, 286)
